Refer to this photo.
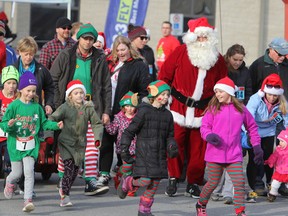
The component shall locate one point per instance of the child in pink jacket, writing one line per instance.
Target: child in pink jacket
(279, 160)
(221, 128)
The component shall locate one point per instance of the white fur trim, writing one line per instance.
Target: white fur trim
(101, 39)
(180, 120)
(273, 91)
(203, 31)
(261, 93)
(68, 91)
(229, 89)
(189, 37)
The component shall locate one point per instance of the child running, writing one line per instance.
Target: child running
(22, 121)
(279, 160)
(9, 80)
(221, 128)
(153, 125)
(120, 122)
(75, 113)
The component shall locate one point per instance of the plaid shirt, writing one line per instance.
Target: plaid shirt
(51, 49)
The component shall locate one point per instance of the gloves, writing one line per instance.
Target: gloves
(127, 157)
(97, 144)
(258, 155)
(213, 139)
(172, 150)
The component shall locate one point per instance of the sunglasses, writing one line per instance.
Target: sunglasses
(143, 38)
(67, 27)
(273, 86)
(280, 55)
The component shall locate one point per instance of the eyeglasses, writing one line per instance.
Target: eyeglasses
(273, 86)
(66, 27)
(143, 38)
(280, 55)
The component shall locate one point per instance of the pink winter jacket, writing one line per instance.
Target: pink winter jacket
(227, 123)
(279, 159)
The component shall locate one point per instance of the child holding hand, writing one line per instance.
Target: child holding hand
(221, 128)
(279, 160)
(75, 113)
(22, 121)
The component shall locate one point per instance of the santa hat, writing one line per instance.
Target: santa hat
(157, 87)
(129, 99)
(74, 84)
(227, 85)
(272, 84)
(101, 37)
(198, 27)
(283, 135)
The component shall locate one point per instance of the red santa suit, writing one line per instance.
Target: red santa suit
(191, 75)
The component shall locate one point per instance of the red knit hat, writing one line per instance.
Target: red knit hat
(272, 84)
(136, 31)
(198, 27)
(73, 85)
(101, 37)
(227, 85)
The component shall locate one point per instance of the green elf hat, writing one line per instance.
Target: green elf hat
(129, 98)
(87, 30)
(157, 87)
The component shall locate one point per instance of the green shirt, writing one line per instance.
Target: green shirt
(29, 119)
(83, 73)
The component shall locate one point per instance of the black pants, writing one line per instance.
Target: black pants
(255, 173)
(106, 152)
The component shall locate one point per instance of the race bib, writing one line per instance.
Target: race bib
(3, 134)
(276, 118)
(25, 143)
(240, 94)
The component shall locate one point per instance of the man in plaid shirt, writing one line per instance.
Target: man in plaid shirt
(62, 39)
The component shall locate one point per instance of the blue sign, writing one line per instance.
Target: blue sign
(120, 14)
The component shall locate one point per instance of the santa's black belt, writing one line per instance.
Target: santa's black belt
(188, 101)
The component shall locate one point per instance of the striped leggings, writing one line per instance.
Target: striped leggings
(235, 171)
(91, 158)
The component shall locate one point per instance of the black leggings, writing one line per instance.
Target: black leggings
(106, 152)
(70, 173)
(255, 173)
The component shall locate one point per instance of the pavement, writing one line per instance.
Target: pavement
(47, 203)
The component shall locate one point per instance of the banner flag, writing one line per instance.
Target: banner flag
(120, 14)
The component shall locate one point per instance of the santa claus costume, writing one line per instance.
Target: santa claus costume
(191, 70)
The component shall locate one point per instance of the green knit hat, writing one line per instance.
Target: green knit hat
(9, 72)
(87, 30)
(129, 99)
(157, 87)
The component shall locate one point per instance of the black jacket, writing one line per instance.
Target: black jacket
(148, 53)
(44, 83)
(155, 131)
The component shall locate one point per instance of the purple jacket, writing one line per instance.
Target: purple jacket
(279, 159)
(227, 123)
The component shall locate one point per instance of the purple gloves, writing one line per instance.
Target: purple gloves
(213, 139)
(258, 155)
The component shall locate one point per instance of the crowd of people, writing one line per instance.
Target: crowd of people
(188, 114)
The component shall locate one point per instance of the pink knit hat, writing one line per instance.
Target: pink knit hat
(283, 135)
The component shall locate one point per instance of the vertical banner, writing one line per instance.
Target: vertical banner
(120, 14)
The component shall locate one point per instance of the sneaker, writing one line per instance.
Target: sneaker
(251, 197)
(171, 189)
(200, 210)
(192, 190)
(228, 200)
(271, 197)
(8, 191)
(216, 197)
(241, 214)
(103, 180)
(261, 192)
(124, 186)
(91, 188)
(65, 201)
(28, 206)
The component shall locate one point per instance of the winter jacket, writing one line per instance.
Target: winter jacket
(133, 76)
(148, 53)
(155, 132)
(72, 139)
(227, 123)
(117, 127)
(266, 121)
(241, 78)
(263, 67)
(62, 72)
(44, 83)
(279, 160)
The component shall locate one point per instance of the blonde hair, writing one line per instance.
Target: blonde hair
(283, 104)
(34, 99)
(126, 41)
(214, 105)
(27, 44)
(72, 103)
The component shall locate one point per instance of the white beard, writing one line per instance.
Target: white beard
(203, 55)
